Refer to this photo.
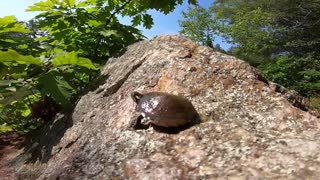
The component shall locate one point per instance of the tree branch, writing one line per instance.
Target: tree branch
(99, 38)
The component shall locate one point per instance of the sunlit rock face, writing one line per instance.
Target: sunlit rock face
(248, 129)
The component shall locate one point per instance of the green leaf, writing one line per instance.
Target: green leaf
(136, 20)
(7, 20)
(94, 23)
(11, 56)
(81, 4)
(14, 94)
(26, 112)
(147, 21)
(41, 6)
(12, 89)
(72, 58)
(43, 38)
(71, 3)
(4, 128)
(8, 40)
(108, 33)
(9, 24)
(52, 83)
(23, 46)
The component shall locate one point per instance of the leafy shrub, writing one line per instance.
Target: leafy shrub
(301, 74)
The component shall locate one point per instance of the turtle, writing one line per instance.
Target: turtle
(164, 110)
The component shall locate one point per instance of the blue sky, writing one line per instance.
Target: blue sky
(163, 24)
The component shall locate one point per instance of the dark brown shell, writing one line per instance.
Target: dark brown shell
(164, 109)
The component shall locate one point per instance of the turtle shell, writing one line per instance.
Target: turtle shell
(164, 109)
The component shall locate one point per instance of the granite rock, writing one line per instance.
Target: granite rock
(250, 128)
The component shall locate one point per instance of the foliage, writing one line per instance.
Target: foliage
(301, 74)
(198, 25)
(46, 63)
(16, 115)
(300, 21)
(90, 27)
(249, 26)
(17, 36)
(280, 37)
(315, 102)
(10, 32)
(272, 27)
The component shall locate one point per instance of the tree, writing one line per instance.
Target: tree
(247, 25)
(91, 27)
(280, 37)
(271, 27)
(198, 24)
(300, 26)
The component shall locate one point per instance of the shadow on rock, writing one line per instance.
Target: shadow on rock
(39, 143)
(168, 130)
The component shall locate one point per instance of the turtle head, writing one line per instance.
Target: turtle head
(136, 96)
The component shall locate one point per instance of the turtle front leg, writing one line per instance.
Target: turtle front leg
(142, 123)
(134, 120)
(137, 122)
